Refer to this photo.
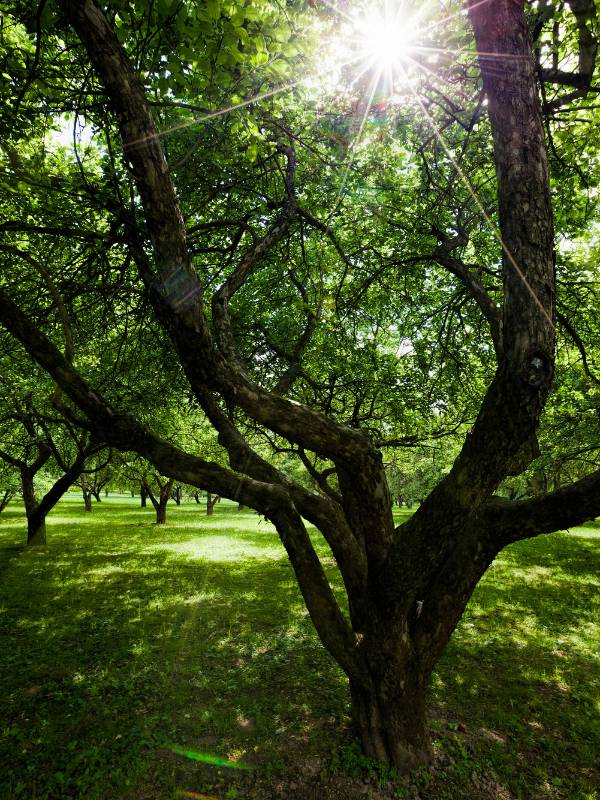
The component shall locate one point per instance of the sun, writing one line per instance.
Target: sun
(386, 37)
(375, 49)
(375, 46)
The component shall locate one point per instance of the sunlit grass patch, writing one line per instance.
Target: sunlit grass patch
(234, 547)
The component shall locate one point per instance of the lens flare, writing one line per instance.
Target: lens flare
(206, 758)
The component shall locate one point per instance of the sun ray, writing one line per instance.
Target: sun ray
(474, 196)
(337, 10)
(352, 150)
(220, 112)
(244, 103)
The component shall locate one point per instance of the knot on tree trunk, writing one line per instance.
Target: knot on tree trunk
(537, 370)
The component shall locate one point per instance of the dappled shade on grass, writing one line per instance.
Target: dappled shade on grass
(122, 638)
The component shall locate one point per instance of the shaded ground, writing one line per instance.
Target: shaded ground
(122, 642)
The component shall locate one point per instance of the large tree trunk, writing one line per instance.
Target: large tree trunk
(161, 513)
(36, 528)
(389, 718)
(87, 500)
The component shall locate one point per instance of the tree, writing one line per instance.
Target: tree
(159, 500)
(271, 379)
(94, 479)
(152, 485)
(34, 447)
(211, 501)
(8, 485)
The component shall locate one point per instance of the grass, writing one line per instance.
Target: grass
(123, 642)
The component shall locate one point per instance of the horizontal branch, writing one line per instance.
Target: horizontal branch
(51, 230)
(510, 521)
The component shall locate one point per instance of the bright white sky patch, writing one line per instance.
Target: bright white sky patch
(61, 134)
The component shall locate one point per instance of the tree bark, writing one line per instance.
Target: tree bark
(390, 720)
(87, 500)
(36, 530)
(143, 496)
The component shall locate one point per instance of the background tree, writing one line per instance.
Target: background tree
(32, 446)
(94, 478)
(8, 485)
(151, 482)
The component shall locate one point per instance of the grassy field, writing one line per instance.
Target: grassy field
(125, 645)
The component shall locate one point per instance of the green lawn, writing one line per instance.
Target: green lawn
(123, 641)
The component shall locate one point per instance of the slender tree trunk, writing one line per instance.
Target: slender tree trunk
(5, 499)
(177, 495)
(106, 493)
(36, 521)
(87, 500)
(166, 492)
(211, 501)
(143, 496)
(197, 497)
(97, 496)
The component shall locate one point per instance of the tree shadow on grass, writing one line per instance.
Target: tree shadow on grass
(523, 664)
